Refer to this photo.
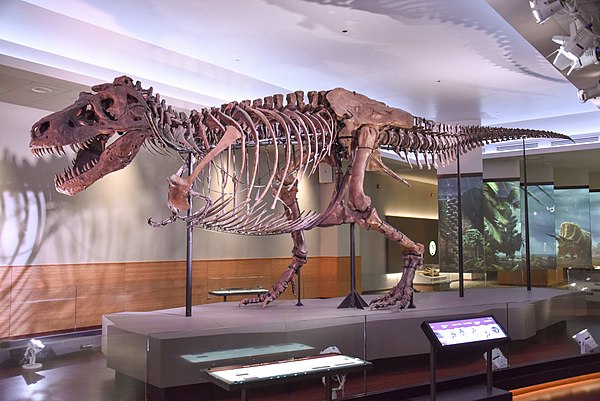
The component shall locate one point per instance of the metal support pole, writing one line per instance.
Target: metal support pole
(489, 372)
(432, 368)
(353, 299)
(189, 252)
(461, 270)
(299, 289)
(526, 211)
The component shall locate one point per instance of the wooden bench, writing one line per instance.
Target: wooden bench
(225, 292)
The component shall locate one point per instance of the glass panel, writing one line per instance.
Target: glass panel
(473, 238)
(550, 334)
(573, 228)
(541, 226)
(178, 357)
(448, 216)
(502, 223)
(595, 223)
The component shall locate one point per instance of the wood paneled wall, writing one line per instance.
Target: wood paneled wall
(50, 298)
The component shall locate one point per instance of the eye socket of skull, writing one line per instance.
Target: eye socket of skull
(85, 116)
(106, 104)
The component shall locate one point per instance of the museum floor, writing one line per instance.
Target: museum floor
(83, 375)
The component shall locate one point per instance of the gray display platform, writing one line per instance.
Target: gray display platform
(167, 349)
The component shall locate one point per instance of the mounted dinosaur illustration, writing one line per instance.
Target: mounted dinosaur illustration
(249, 158)
(574, 244)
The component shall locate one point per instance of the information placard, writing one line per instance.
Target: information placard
(482, 331)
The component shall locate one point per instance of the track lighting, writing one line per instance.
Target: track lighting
(589, 57)
(586, 94)
(544, 9)
(572, 47)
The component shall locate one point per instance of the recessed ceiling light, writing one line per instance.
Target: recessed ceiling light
(41, 90)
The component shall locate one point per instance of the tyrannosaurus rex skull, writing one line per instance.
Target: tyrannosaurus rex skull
(89, 127)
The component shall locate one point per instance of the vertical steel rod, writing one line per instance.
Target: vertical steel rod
(189, 253)
(489, 377)
(461, 270)
(432, 368)
(299, 288)
(352, 266)
(526, 212)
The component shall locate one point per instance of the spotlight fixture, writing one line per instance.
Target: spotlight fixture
(544, 9)
(574, 46)
(34, 347)
(499, 361)
(585, 341)
(590, 56)
(589, 93)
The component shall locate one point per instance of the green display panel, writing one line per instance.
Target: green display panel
(573, 228)
(472, 223)
(541, 226)
(595, 223)
(502, 225)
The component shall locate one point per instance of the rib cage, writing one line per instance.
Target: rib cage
(240, 191)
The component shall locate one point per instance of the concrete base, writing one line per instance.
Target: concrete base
(166, 349)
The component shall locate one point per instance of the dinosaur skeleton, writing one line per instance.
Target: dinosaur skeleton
(250, 157)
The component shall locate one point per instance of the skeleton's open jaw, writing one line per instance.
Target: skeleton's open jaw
(88, 153)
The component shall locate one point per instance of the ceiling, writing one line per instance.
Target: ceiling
(455, 61)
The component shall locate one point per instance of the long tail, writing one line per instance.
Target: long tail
(431, 142)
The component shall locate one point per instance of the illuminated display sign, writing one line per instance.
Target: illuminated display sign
(481, 330)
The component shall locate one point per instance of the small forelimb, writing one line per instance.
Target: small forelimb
(200, 214)
(174, 217)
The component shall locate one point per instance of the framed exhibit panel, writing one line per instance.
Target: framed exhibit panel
(472, 222)
(502, 225)
(482, 332)
(573, 237)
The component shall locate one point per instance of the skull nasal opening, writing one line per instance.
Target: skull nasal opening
(43, 127)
